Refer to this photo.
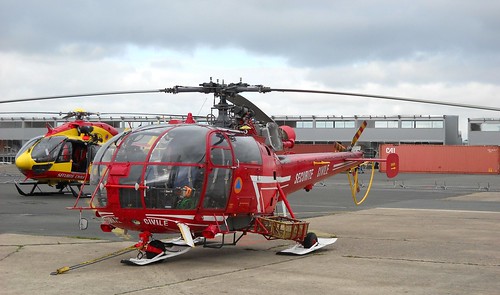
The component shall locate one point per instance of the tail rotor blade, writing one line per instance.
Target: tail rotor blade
(338, 147)
(358, 133)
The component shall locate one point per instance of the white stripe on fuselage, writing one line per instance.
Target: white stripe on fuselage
(256, 179)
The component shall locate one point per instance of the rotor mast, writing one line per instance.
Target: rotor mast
(225, 92)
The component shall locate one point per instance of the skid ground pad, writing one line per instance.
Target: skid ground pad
(298, 249)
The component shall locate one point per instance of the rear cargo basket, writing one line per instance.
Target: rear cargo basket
(280, 227)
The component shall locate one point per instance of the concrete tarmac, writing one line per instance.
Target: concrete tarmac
(379, 251)
(395, 247)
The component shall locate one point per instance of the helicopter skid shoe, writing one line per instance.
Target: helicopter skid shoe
(37, 191)
(299, 249)
(170, 252)
(181, 242)
(76, 193)
(22, 193)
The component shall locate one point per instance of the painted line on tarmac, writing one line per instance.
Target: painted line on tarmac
(319, 206)
(438, 210)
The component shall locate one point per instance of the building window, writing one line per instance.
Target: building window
(392, 124)
(485, 127)
(407, 124)
(324, 124)
(345, 124)
(31, 124)
(287, 123)
(115, 124)
(423, 124)
(11, 125)
(429, 124)
(437, 124)
(386, 124)
(304, 124)
(475, 127)
(349, 124)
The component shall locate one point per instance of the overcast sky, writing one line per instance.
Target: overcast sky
(428, 49)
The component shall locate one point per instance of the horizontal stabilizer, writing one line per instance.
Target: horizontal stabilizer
(392, 161)
(392, 165)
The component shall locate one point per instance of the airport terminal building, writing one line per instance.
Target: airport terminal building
(440, 130)
(418, 129)
(484, 131)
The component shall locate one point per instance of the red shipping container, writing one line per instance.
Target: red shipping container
(444, 158)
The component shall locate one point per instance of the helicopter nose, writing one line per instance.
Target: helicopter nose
(24, 162)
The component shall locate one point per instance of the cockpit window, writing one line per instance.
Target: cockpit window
(175, 174)
(217, 139)
(136, 146)
(173, 187)
(220, 175)
(100, 170)
(106, 152)
(220, 152)
(165, 167)
(47, 149)
(185, 144)
(246, 150)
(27, 145)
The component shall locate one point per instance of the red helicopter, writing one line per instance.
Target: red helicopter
(205, 181)
(62, 156)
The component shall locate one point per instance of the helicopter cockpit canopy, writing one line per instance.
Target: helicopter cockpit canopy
(183, 166)
(47, 149)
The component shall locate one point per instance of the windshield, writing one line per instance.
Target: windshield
(167, 161)
(175, 176)
(182, 144)
(27, 145)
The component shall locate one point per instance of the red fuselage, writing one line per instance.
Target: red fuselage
(156, 176)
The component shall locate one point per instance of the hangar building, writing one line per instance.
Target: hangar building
(418, 129)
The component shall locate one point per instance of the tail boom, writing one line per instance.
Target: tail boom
(307, 169)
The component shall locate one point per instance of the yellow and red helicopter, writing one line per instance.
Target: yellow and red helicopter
(61, 157)
(208, 181)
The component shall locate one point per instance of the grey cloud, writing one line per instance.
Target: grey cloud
(449, 69)
(307, 34)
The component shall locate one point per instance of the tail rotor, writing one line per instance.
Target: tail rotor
(338, 147)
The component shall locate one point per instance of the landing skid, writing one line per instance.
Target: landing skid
(170, 252)
(299, 249)
(76, 193)
(174, 247)
(36, 191)
(33, 192)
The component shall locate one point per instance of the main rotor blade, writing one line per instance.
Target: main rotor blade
(242, 101)
(148, 114)
(82, 95)
(460, 105)
(31, 112)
